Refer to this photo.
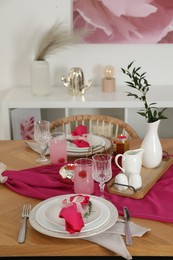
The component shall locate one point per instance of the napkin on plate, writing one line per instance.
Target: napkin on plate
(79, 130)
(73, 211)
(81, 143)
(112, 238)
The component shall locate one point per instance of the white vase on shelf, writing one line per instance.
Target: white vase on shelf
(151, 144)
(40, 77)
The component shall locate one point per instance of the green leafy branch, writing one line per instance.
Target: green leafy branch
(88, 213)
(139, 82)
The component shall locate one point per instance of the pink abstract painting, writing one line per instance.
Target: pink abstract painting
(27, 128)
(125, 21)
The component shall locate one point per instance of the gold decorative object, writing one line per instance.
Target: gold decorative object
(75, 82)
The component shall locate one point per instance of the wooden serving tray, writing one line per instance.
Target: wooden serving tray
(149, 178)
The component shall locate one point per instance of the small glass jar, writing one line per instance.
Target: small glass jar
(121, 144)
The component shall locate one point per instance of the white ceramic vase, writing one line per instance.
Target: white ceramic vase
(151, 144)
(40, 77)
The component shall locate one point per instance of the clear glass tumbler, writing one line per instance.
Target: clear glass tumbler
(58, 148)
(83, 179)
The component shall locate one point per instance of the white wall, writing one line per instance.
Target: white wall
(22, 22)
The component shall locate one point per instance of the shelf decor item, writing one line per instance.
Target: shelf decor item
(40, 77)
(108, 82)
(57, 37)
(151, 143)
(75, 82)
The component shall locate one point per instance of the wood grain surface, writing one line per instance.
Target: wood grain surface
(16, 155)
(149, 178)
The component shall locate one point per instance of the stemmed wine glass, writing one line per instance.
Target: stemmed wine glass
(42, 137)
(102, 170)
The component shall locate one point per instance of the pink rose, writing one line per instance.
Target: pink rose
(129, 21)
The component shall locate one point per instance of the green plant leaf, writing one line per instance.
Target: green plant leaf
(139, 82)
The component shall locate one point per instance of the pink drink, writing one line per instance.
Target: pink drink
(58, 148)
(83, 180)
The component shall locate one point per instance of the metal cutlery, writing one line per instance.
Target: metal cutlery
(128, 234)
(125, 185)
(25, 215)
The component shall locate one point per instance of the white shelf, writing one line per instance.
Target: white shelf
(21, 97)
(94, 97)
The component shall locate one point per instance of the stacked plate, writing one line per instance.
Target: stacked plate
(44, 217)
(97, 144)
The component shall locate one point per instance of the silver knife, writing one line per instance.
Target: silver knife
(128, 234)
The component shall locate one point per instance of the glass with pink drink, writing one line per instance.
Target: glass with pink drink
(83, 180)
(58, 148)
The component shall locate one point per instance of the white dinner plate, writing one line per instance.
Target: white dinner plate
(96, 221)
(35, 147)
(48, 214)
(98, 149)
(93, 140)
(89, 152)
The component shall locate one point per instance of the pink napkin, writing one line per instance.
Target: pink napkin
(43, 182)
(81, 143)
(79, 130)
(39, 182)
(72, 212)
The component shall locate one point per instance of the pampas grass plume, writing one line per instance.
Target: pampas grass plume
(56, 38)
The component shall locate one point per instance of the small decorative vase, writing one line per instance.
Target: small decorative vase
(40, 77)
(151, 144)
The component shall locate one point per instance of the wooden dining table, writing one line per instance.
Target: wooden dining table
(17, 155)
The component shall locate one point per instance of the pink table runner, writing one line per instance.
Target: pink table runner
(43, 182)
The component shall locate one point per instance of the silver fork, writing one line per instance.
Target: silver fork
(25, 215)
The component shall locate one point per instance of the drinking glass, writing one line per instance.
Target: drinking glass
(58, 147)
(83, 179)
(102, 170)
(42, 137)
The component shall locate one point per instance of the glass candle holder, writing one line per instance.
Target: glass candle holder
(121, 144)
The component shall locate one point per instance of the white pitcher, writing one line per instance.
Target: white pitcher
(131, 161)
